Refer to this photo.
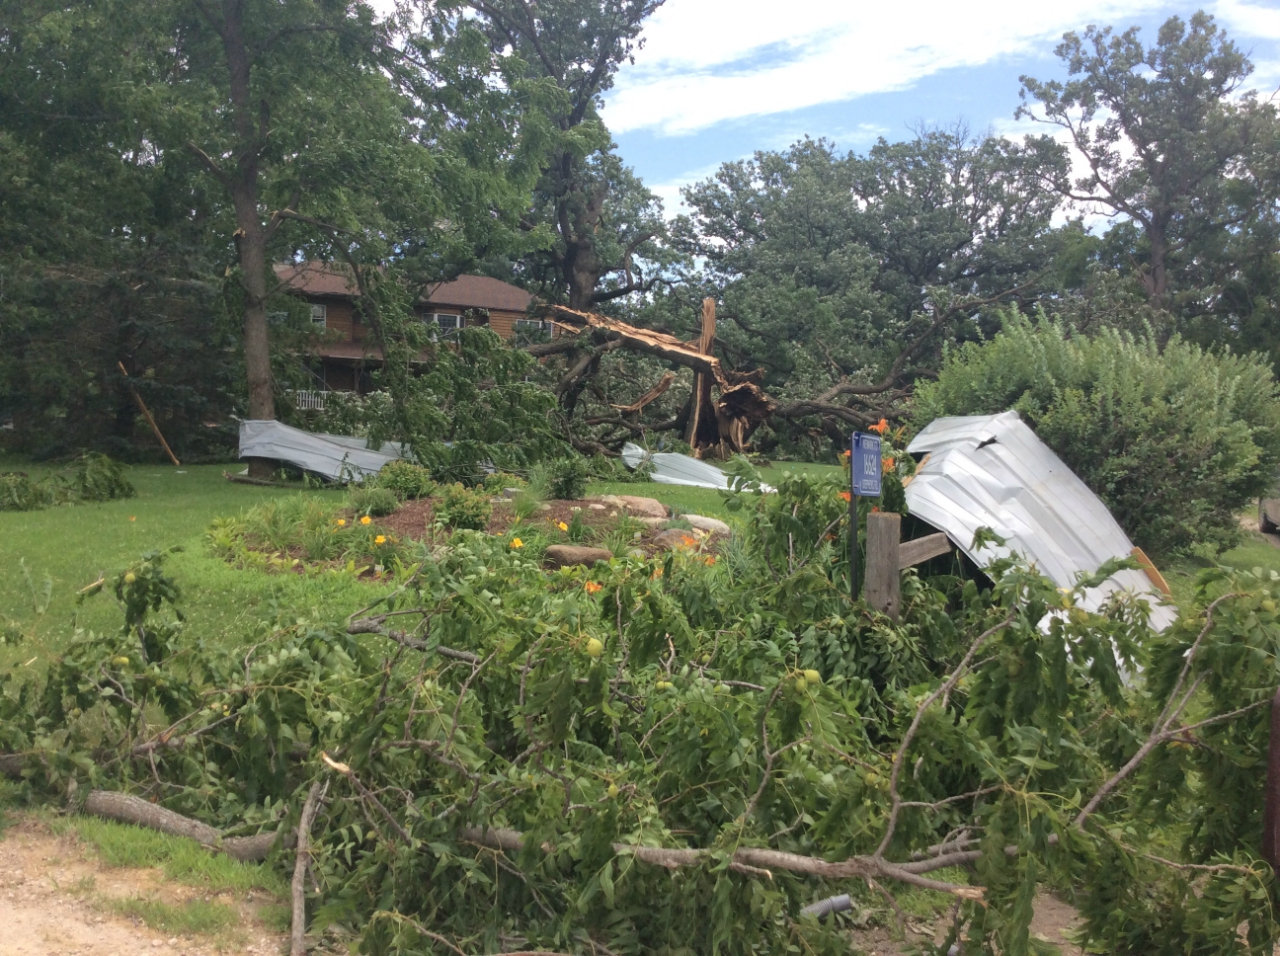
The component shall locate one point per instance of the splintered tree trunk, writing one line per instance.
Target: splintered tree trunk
(724, 425)
(702, 420)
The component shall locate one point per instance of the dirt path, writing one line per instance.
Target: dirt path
(56, 900)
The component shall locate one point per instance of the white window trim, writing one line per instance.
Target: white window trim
(319, 315)
(533, 325)
(454, 321)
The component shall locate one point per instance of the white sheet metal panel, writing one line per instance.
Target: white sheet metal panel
(672, 469)
(335, 457)
(992, 471)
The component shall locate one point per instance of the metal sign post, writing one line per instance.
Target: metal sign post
(864, 480)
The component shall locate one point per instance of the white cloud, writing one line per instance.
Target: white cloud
(707, 61)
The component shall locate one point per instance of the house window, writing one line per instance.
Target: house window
(319, 316)
(532, 326)
(440, 322)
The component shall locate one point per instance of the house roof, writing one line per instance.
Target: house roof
(464, 292)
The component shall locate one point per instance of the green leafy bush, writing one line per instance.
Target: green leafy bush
(404, 479)
(499, 481)
(463, 507)
(95, 477)
(566, 478)
(377, 502)
(1175, 440)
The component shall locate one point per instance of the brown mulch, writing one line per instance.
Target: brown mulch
(413, 521)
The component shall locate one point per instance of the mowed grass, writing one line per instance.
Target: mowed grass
(180, 859)
(49, 555)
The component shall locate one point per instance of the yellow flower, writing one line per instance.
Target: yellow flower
(342, 522)
(380, 539)
(517, 543)
(366, 520)
(562, 526)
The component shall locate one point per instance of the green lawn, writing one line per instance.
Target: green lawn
(65, 548)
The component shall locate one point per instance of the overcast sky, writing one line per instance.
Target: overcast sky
(718, 79)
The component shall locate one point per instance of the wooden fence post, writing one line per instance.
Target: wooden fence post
(884, 592)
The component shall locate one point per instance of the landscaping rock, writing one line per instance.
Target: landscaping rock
(674, 538)
(567, 555)
(703, 523)
(653, 522)
(643, 507)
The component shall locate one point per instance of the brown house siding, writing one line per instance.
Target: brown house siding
(342, 355)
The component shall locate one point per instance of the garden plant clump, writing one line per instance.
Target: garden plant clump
(303, 534)
(679, 755)
(405, 479)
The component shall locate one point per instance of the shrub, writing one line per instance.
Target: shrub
(498, 482)
(461, 507)
(404, 479)
(566, 478)
(1176, 441)
(95, 477)
(377, 502)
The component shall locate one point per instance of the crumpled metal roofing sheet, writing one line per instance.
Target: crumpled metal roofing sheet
(333, 456)
(992, 471)
(670, 468)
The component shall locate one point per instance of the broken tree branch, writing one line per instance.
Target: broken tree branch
(298, 945)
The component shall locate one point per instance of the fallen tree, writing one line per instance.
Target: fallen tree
(725, 407)
(693, 751)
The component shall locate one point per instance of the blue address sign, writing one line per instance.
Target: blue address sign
(865, 470)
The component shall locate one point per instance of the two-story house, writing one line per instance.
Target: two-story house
(346, 355)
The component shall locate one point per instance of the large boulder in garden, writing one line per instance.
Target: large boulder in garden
(567, 555)
(703, 523)
(643, 507)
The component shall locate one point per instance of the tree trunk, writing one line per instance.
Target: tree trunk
(1156, 281)
(251, 239)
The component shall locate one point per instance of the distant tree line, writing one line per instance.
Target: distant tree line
(156, 158)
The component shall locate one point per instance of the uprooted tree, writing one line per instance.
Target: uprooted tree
(685, 754)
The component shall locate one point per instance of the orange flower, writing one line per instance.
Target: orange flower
(847, 453)
(875, 509)
(687, 541)
(710, 559)
(133, 517)
(592, 587)
(886, 465)
(879, 427)
(847, 495)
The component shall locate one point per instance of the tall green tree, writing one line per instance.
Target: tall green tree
(604, 220)
(305, 125)
(1171, 143)
(840, 275)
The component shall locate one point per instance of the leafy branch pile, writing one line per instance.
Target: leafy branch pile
(91, 477)
(679, 757)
